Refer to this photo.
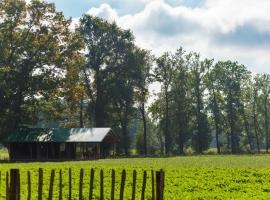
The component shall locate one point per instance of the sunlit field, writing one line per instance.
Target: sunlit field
(191, 177)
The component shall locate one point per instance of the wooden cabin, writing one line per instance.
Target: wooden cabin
(58, 144)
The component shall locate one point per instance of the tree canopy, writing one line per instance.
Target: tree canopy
(96, 75)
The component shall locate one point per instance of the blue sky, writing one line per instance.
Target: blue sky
(75, 8)
(220, 29)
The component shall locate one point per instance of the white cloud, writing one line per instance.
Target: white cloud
(220, 29)
(104, 11)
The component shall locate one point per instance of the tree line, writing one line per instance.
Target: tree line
(95, 76)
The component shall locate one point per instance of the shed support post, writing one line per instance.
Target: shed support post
(31, 151)
(98, 151)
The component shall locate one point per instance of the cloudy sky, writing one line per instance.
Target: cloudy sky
(220, 29)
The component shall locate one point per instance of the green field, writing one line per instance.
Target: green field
(193, 177)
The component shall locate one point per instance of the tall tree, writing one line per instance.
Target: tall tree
(255, 88)
(181, 97)
(214, 96)
(201, 137)
(106, 46)
(265, 88)
(36, 46)
(231, 78)
(164, 74)
(144, 61)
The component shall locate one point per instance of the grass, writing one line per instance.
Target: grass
(191, 177)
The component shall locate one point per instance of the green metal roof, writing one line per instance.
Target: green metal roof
(58, 135)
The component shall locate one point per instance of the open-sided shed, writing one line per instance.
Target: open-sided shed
(42, 144)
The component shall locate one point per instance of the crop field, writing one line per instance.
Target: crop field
(191, 177)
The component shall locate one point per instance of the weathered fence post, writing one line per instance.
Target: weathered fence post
(29, 185)
(144, 185)
(40, 183)
(7, 185)
(0, 180)
(153, 184)
(134, 185)
(113, 184)
(122, 187)
(92, 173)
(60, 184)
(14, 189)
(101, 185)
(81, 185)
(160, 184)
(70, 184)
(51, 184)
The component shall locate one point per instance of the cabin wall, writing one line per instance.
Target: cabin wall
(57, 151)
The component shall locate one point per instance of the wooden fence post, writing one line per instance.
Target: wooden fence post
(122, 187)
(101, 185)
(60, 184)
(40, 183)
(134, 185)
(153, 184)
(113, 184)
(160, 184)
(144, 185)
(51, 184)
(29, 185)
(92, 173)
(14, 189)
(0, 180)
(7, 185)
(81, 185)
(70, 184)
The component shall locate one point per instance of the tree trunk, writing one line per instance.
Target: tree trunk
(166, 132)
(247, 129)
(255, 121)
(234, 136)
(144, 128)
(81, 113)
(216, 119)
(99, 116)
(199, 139)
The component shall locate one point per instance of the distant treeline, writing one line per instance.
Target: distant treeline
(95, 75)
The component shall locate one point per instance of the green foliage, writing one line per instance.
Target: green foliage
(36, 48)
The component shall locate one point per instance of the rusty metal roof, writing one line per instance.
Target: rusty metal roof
(59, 135)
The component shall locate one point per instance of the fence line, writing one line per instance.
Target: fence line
(13, 184)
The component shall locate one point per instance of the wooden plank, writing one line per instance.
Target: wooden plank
(122, 187)
(134, 177)
(92, 174)
(51, 185)
(60, 184)
(29, 185)
(14, 189)
(153, 185)
(69, 184)
(40, 183)
(81, 185)
(144, 185)
(101, 185)
(113, 184)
